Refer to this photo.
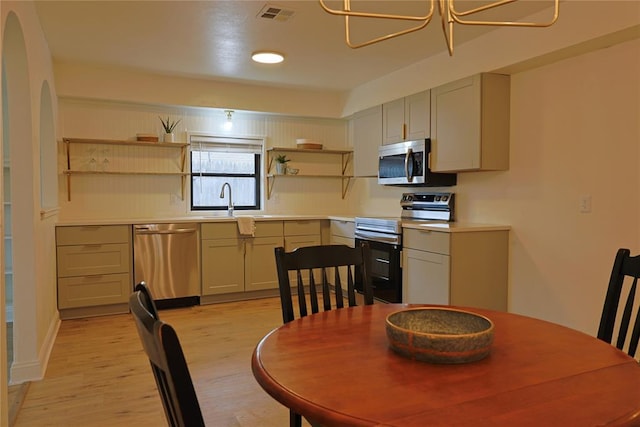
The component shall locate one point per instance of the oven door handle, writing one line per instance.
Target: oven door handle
(377, 237)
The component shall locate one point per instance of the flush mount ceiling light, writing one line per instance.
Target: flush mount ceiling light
(267, 57)
(448, 13)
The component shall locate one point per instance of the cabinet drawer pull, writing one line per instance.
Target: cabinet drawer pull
(92, 278)
(92, 246)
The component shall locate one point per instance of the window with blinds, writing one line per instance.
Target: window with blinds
(216, 160)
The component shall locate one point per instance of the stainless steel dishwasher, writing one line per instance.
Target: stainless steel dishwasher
(166, 257)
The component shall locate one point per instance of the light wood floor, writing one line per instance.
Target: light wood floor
(98, 374)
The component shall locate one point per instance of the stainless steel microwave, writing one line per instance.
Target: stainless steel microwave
(407, 164)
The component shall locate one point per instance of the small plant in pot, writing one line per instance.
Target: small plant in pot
(281, 164)
(168, 125)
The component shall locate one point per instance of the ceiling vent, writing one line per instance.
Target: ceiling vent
(276, 13)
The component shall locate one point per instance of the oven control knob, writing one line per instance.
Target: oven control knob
(437, 198)
(445, 198)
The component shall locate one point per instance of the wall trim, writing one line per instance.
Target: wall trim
(34, 370)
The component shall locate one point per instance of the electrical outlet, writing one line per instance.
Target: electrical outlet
(585, 204)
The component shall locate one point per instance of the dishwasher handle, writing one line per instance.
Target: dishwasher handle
(175, 231)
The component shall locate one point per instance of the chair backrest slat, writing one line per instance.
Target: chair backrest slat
(626, 315)
(624, 266)
(338, 285)
(302, 302)
(313, 292)
(317, 263)
(326, 295)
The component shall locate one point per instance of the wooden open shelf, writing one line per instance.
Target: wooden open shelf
(345, 158)
(152, 145)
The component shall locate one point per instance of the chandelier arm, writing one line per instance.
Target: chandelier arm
(346, 12)
(477, 9)
(445, 17)
(381, 38)
(456, 17)
(449, 16)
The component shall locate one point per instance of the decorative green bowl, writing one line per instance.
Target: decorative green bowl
(439, 335)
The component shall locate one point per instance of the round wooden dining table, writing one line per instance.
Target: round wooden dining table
(335, 368)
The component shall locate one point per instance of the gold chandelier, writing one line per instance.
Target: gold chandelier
(448, 13)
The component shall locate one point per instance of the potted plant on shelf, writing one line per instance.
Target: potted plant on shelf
(281, 164)
(168, 127)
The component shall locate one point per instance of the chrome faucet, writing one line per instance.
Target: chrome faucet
(230, 205)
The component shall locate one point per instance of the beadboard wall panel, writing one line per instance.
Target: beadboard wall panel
(97, 197)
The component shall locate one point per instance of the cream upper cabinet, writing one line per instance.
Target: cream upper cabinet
(470, 124)
(367, 137)
(406, 119)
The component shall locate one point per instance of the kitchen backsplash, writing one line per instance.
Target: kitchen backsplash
(146, 196)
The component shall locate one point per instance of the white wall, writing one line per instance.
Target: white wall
(581, 26)
(100, 82)
(575, 131)
(28, 67)
(122, 197)
(580, 21)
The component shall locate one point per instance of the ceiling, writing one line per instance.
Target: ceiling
(214, 39)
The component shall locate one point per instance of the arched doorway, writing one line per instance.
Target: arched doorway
(17, 194)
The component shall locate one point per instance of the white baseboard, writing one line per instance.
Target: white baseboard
(33, 370)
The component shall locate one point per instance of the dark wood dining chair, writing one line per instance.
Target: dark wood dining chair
(147, 299)
(169, 367)
(325, 262)
(623, 281)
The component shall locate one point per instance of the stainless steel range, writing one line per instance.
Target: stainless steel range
(428, 206)
(384, 236)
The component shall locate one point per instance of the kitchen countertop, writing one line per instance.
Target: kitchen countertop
(452, 227)
(191, 218)
(447, 227)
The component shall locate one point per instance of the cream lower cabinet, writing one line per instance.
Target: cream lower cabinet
(458, 268)
(298, 234)
(260, 262)
(232, 263)
(342, 232)
(222, 253)
(94, 270)
(301, 233)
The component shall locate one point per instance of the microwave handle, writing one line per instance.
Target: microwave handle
(406, 164)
